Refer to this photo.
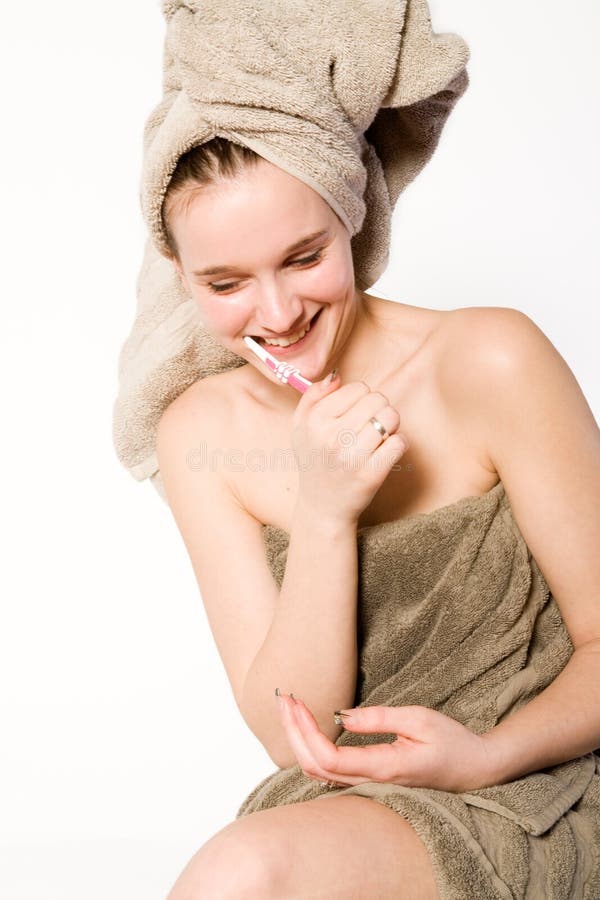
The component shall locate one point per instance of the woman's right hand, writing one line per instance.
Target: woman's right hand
(342, 459)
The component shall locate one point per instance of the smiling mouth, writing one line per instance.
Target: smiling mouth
(261, 340)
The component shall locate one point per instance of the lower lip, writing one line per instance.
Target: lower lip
(286, 351)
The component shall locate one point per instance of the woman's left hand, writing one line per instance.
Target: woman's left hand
(431, 750)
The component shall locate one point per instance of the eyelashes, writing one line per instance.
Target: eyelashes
(220, 288)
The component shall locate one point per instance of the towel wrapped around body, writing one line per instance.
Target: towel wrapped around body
(454, 614)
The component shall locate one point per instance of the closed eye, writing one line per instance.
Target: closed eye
(314, 257)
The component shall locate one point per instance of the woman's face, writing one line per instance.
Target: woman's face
(246, 228)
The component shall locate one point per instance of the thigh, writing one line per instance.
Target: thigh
(348, 847)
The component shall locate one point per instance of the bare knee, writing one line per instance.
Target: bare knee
(229, 866)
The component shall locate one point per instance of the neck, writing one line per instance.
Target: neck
(372, 351)
(382, 340)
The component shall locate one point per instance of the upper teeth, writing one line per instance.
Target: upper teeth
(285, 342)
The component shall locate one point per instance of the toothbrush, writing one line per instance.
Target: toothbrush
(286, 373)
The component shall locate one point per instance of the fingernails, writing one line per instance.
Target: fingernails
(329, 378)
(279, 694)
(339, 716)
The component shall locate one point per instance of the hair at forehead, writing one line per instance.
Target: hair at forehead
(207, 164)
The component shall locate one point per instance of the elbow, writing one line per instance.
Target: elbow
(283, 762)
(282, 758)
(280, 753)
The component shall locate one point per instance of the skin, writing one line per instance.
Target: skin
(249, 222)
(394, 348)
(516, 394)
(432, 750)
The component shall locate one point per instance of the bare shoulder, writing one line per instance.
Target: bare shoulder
(206, 422)
(496, 360)
(207, 404)
(544, 443)
(197, 414)
(478, 347)
(480, 340)
(486, 319)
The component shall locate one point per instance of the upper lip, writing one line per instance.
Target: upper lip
(275, 337)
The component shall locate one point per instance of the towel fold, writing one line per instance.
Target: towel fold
(351, 98)
(455, 614)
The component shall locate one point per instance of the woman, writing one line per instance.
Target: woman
(428, 409)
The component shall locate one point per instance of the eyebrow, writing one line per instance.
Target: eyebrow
(219, 270)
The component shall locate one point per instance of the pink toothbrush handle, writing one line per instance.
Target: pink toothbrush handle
(299, 382)
(287, 374)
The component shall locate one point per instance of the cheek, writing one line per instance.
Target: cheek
(221, 319)
(331, 279)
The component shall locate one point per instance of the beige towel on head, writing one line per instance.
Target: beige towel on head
(349, 97)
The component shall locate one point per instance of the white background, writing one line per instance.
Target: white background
(122, 749)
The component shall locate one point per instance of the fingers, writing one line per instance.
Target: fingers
(353, 764)
(356, 402)
(338, 402)
(388, 452)
(296, 735)
(369, 438)
(353, 405)
(407, 721)
(295, 738)
(373, 404)
(318, 390)
(409, 760)
(323, 759)
(334, 399)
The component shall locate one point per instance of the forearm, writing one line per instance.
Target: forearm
(561, 723)
(311, 647)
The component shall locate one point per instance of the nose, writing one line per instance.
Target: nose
(279, 313)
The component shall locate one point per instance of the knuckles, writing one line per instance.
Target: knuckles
(383, 397)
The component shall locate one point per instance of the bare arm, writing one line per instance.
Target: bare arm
(311, 646)
(266, 639)
(303, 638)
(545, 444)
